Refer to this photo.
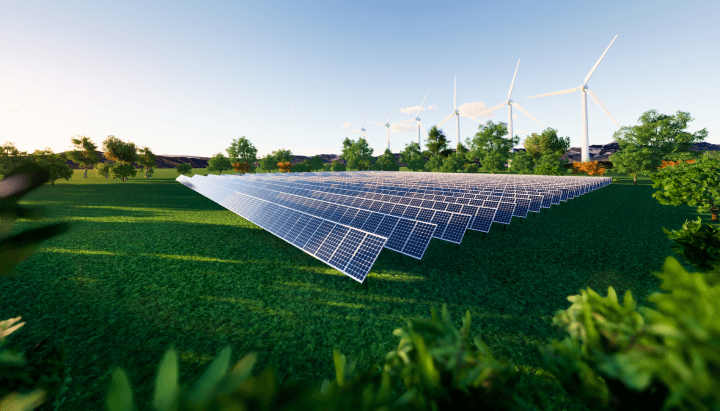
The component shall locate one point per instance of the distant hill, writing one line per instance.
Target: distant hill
(598, 152)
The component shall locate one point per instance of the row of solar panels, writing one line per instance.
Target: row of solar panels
(346, 225)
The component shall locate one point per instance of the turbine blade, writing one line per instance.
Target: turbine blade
(494, 108)
(365, 117)
(513, 82)
(472, 118)
(592, 70)
(423, 103)
(570, 90)
(597, 100)
(393, 113)
(455, 99)
(526, 113)
(448, 118)
(404, 121)
(378, 124)
(352, 131)
(364, 136)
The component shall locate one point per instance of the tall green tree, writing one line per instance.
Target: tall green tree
(241, 150)
(268, 163)
(146, 160)
(454, 163)
(490, 146)
(184, 168)
(122, 153)
(434, 164)
(386, 162)
(537, 145)
(357, 154)
(103, 169)
(437, 143)
(85, 153)
(53, 163)
(550, 164)
(338, 166)
(633, 160)
(11, 158)
(412, 156)
(316, 163)
(347, 148)
(283, 156)
(219, 163)
(691, 184)
(664, 134)
(522, 163)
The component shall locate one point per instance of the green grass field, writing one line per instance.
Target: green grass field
(149, 263)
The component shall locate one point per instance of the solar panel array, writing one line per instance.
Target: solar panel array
(345, 219)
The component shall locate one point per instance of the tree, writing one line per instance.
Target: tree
(490, 146)
(11, 158)
(346, 150)
(122, 170)
(338, 166)
(283, 156)
(103, 169)
(413, 157)
(550, 164)
(663, 134)
(241, 150)
(121, 152)
(242, 168)
(358, 154)
(316, 163)
(632, 160)
(386, 162)
(691, 184)
(54, 164)
(436, 143)
(453, 163)
(659, 137)
(268, 163)
(85, 154)
(219, 163)
(184, 168)
(434, 164)
(537, 145)
(146, 160)
(521, 163)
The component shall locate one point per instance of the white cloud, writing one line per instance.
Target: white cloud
(411, 110)
(12, 110)
(432, 107)
(672, 59)
(659, 68)
(515, 116)
(344, 112)
(346, 125)
(520, 131)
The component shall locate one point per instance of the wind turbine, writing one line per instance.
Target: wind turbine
(466, 110)
(585, 91)
(394, 125)
(417, 118)
(511, 103)
(362, 128)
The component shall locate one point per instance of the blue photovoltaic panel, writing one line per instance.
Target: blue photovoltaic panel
(504, 213)
(483, 219)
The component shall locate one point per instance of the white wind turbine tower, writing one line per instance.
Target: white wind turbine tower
(585, 91)
(469, 110)
(417, 118)
(396, 126)
(510, 104)
(363, 126)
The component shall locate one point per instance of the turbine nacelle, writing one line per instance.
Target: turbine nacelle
(387, 124)
(509, 101)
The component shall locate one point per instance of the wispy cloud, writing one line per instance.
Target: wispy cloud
(12, 110)
(411, 110)
(344, 112)
(346, 125)
(515, 116)
(432, 107)
(672, 59)
(292, 110)
(520, 131)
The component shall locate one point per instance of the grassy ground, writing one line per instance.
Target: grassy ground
(149, 263)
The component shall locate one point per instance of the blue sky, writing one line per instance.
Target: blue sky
(186, 78)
